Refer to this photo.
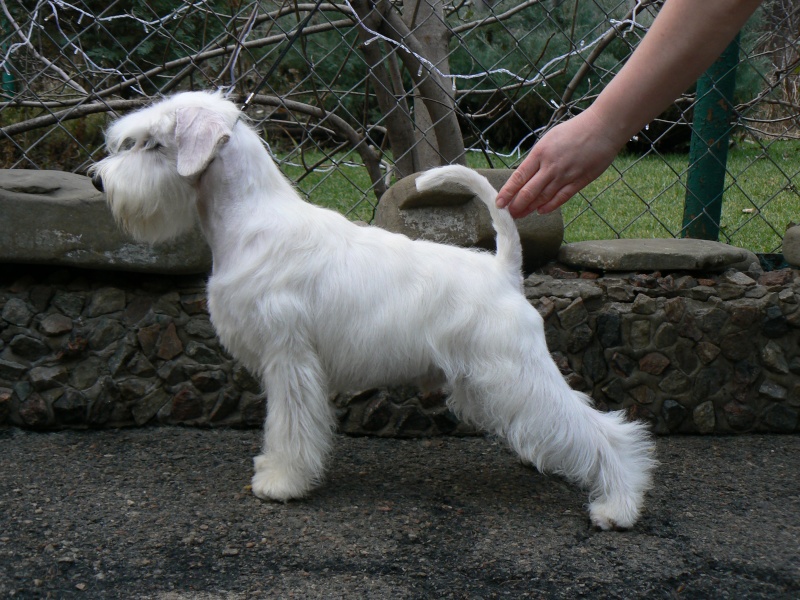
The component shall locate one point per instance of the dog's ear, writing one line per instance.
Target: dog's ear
(199, 132)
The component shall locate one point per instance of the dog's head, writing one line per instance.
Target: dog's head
(155, 158)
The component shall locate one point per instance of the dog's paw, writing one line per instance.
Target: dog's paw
(613, 515)
(274, 480)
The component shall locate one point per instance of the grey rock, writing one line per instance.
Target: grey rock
(568, 289)
(644, 305)
(120, 359)
(52, 217)
(791, 246)
(252, 409)
(28, 347)
(173, 372)
(225, 406)
(33, 411)
(209, 381)
(608, 329)
(594, 364)
(69, 303)
(775, 323)
(739, 278)
(70, 408)
(773, 358)
(709, 381)
(105, 301)
(16, 312)
(411, 422)
(653, 255)
(654, 363)
(579, 338)
(674, 383)
(674, 414)
(44, 378)
(772, 390)
(741, 417)
(86, 373)
(139, 365)
(452, 215)
(377, 413)
(148, 407)
(11, 370)
(666, 335)
(202, 353)
(55, 324)
(187, 405)
(200, 327)
(707, 352)
(781, 418)
(575, 314)
(103, 332)
(245, 380)
(704, 417)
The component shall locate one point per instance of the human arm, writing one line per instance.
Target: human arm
(685, 38)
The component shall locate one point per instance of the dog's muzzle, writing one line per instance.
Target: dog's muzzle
(97, 182)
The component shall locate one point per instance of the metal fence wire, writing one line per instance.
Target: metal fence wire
(351, 95)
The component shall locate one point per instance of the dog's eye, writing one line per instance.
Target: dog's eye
(127, 144)
(152, 145)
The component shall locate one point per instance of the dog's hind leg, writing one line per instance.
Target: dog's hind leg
(297, 430)
(555, 428)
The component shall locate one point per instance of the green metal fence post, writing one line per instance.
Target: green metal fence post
(708, 152)
(7, 85)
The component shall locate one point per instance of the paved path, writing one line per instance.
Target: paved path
(166, 514)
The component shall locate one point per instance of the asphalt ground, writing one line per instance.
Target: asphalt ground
(165, 513)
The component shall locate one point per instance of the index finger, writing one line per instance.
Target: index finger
(521, 175)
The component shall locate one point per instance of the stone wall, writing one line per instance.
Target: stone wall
(692, 354)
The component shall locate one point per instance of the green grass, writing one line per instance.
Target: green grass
(345, 188)
(635, 198)
(644, 198)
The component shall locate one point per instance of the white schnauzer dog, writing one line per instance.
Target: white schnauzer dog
(315, 304)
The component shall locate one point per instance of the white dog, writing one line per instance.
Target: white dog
(315, 304)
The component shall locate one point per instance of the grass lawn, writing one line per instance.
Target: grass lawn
(635, 198)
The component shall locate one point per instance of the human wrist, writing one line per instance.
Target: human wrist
(606, 126)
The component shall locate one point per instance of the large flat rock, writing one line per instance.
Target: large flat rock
(58, 218)
(655, 255)
(453, 215)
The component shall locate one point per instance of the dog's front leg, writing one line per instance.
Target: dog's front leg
(297, 430)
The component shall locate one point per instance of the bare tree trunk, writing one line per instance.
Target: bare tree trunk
(425, 19)
(421, 32)
(389, 93)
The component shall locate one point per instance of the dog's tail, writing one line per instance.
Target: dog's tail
(509, 251)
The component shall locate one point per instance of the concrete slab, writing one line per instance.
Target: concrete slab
(655, 255)
(58, 218)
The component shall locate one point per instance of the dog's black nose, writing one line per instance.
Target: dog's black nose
(97, 182)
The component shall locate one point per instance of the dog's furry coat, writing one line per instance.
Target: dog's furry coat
(315, 304)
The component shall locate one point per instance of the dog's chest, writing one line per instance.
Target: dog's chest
(242, 322)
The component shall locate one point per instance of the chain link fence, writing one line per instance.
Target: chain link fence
(352, 94)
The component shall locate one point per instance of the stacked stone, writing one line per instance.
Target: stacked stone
(691, 354)
(97, 349)
(94, 349)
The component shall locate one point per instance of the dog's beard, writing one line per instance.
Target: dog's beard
(147, 199)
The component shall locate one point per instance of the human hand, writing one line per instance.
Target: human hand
(561, 163)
